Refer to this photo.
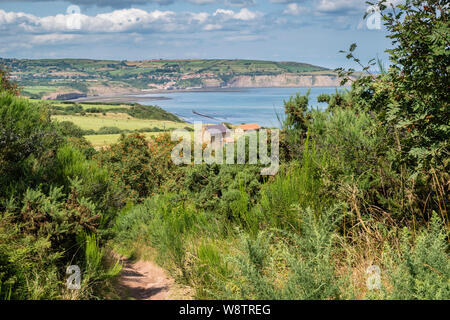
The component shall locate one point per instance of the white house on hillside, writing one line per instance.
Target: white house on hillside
(216, 133)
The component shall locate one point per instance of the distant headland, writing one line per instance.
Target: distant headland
(68, 79)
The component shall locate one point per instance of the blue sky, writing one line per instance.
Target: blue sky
(311, 31)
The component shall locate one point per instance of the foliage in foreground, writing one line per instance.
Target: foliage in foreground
(357, 188)
(55, 208)
(363, 183)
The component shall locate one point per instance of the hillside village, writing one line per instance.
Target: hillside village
(223, 133)
(64, 79)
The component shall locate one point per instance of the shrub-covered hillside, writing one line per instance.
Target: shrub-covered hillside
(358, 209)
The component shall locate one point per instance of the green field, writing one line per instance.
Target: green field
(120, 121)
(106, 106)
(101, 140)
(107, 121)
(39, 90)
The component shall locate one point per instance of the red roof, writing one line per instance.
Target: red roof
(249, 126)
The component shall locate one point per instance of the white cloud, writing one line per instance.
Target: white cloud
(125, 20)
(294, 9)
(223, 12)
(240, 3)
(53, 38)
(333, 6)
(115, 21)
(201, 17)
(202, 1)
(211, 27)
(245, 38)
(246, 15)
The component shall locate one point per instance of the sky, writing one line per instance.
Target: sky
(309, 31)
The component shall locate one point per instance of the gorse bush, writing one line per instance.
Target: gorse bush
(421, 268)
(50, 194)
(37, 244)
(28, 265)
(27, 138)
(139, 165)
(220, 188)
(313, 275)
(59, 221)
(295, 126)
(92, 182)
(349, 137)
(285, 265)
(358, 161)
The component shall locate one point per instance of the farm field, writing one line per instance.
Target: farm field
(101, 140)
(91, 105)
(119, 120)
(39, 89)
(103, 123)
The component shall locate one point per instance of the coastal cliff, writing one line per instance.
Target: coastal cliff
(284, 80)
(67, 78)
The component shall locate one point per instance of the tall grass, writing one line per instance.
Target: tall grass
(98, 270)
(296, 184)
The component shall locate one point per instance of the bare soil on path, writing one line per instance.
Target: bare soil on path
(144, 280)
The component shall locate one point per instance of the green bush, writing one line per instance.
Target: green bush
(220, 188)
(92, 182)
(28, 142)
(6, 85)
(110, 130)
(285, 265)
(164, 225)
(50, 194)
(69, 129)
(139, 165)
(39, 238)
(421, 268)
(28, 265)
(295, 184)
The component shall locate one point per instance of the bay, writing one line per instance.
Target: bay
(253, 105)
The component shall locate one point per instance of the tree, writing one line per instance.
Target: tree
(296, 109)
(6, 85)
(419, 78)
(412, 97)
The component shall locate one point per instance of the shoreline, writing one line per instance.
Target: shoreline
(134, 96)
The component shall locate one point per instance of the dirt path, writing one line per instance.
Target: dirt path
(144, 280)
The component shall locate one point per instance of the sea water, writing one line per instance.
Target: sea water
(264, 106)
